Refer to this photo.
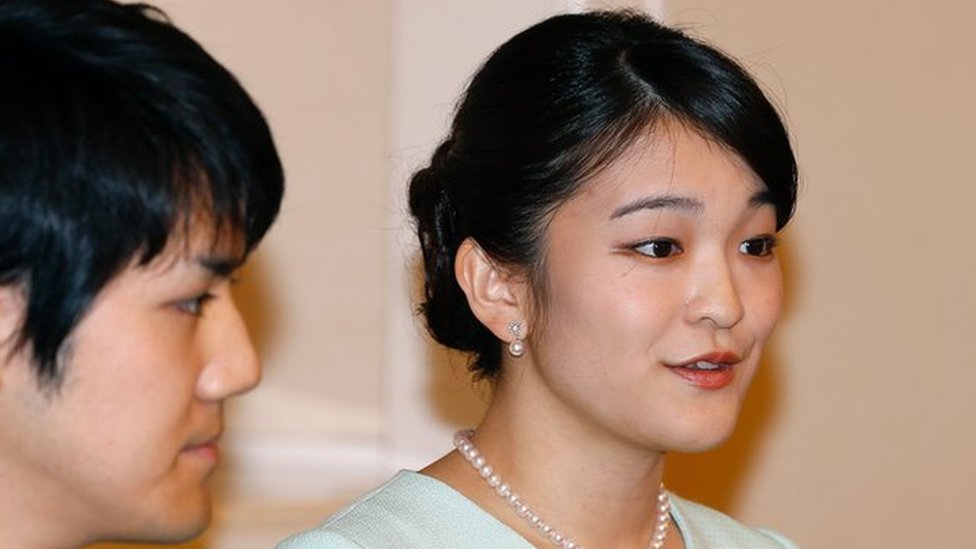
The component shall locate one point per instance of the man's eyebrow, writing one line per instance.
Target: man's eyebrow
(671, 202)
(762, 198)
(219, 265)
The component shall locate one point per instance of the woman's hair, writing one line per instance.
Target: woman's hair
(549, 109)
(116, 131)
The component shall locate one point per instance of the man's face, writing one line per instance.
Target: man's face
(123, 449)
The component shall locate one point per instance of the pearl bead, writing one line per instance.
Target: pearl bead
(516, 348)
(464, 445)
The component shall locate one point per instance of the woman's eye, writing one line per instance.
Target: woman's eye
(194, 306)
(758, 247)
(659, 248)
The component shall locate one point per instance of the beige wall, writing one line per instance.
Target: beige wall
(874, 433)
(860, 431)
(314, 294)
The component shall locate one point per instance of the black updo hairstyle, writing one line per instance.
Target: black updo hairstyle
(549, 109)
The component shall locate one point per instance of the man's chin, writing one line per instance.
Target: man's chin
(177, 524)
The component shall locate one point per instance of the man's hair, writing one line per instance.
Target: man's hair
(116, 131)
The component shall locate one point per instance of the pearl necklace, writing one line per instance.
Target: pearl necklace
(462, 441)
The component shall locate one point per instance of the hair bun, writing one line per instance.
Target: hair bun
(445, 307)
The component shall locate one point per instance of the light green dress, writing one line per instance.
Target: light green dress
(414, 510)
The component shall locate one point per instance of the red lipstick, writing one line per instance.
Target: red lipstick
(711, 371)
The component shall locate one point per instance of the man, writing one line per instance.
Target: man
(135, 176)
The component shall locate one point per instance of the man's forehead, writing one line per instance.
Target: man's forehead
(219, 250)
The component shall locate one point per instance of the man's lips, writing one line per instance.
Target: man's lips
(204, 448)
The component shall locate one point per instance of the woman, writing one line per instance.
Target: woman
(598, 232)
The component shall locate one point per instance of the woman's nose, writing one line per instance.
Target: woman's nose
(714, 296)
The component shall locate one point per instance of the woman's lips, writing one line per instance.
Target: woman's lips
(709, 371)
(711, 376)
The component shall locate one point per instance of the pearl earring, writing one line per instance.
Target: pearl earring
(517, 346)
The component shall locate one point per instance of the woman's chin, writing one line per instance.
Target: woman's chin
(692, 439)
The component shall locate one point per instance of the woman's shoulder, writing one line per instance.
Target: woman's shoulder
(409, 510)
(704, 528)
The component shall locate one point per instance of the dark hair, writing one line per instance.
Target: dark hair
(116, 129)
(550, 108)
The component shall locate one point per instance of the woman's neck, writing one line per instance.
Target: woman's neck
(597, 488)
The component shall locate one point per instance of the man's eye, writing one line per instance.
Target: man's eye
(659, 248)
(758, 247)
(194, 306)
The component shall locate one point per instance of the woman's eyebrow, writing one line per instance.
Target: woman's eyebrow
(671, 202)
(761, 198)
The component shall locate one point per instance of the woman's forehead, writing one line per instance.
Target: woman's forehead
(670, 161)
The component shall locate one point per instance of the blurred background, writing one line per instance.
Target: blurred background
(860, 430)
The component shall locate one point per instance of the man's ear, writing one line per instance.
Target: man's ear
(11, 318)
(495, 295)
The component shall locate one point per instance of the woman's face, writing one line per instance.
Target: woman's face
(661, 289)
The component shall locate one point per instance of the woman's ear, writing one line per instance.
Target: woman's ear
(495, 295)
